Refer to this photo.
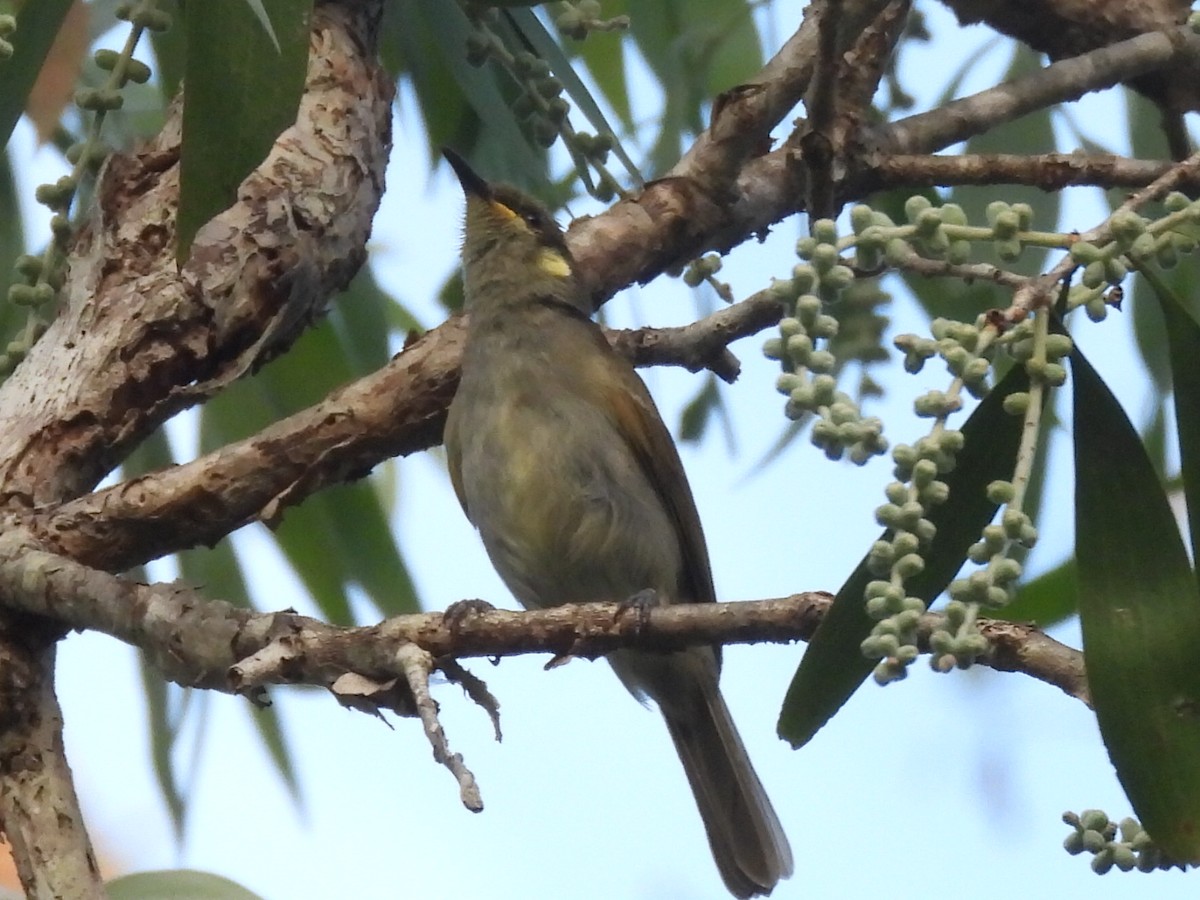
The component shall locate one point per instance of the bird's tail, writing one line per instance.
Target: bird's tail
(747, 841)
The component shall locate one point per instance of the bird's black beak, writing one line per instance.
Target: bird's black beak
(472, 184)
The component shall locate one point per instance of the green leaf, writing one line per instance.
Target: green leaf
(1183, 349)
(243, 90)
(693, 421)
(833, 666)
(164, 708)
(341, 536)
(604, 56)
(1050, 598)
(178, 884)
(170, 51)
(37, 24)
(1139, 607)
(218, 571)
(12, 245)
(696, 49)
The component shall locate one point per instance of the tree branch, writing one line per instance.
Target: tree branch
(141, 337)
(1048, 171)
(203, 643)
(398, 410)
(39, 812)
(1060, 82)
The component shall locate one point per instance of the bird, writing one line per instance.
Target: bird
(561, 460)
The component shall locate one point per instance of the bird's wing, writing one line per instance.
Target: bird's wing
(454, 458)
(639, 423)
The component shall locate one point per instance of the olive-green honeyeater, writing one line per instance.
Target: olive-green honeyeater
(562, 462)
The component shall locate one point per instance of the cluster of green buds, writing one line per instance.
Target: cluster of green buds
(1093, 832)
(1042, 357)
(943, 233)
(898, 557)
(8, 26)
(1135, 240)
(808, 378)
(39, 279)
(704, 271)
(577, 20)
(539, 105)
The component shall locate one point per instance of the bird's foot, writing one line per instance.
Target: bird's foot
(461, 610)
(640, 604)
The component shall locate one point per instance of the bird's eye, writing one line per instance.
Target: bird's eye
(534, 221)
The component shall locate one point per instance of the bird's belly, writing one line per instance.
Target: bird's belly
(568, 520)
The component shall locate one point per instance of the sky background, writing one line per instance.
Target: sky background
(954, 782)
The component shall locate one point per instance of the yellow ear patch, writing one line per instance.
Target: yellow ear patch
(551, 262)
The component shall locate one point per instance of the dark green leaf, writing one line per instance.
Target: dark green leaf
(12, 245)
(696, 49)
(242, 92)
(833, 666)
(1139, 608)
(695, 416)
(1183, 346)
(170, 51)
(604, 56)
(340, 537)
(37, 24)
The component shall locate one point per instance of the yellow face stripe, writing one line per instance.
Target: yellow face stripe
(551, 262)
(501, 211)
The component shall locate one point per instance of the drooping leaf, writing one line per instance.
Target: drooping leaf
(1139, 607)
(38, 22)
(163, 708)
(699, 411)
(340, 537)
(243, 89)
(56, 83)
(604, 56)
(12, 245)
(696, 49)
(833, 666)
(1182, 321)
(170, 51)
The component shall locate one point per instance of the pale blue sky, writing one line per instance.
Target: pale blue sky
(942, 782)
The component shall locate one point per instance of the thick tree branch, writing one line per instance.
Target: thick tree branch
(1064, 28)
(39, 812)
(138, 338)
(141, 338)
(398, 410)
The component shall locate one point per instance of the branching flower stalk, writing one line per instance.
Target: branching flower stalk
(540, 105)
(40, 278)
